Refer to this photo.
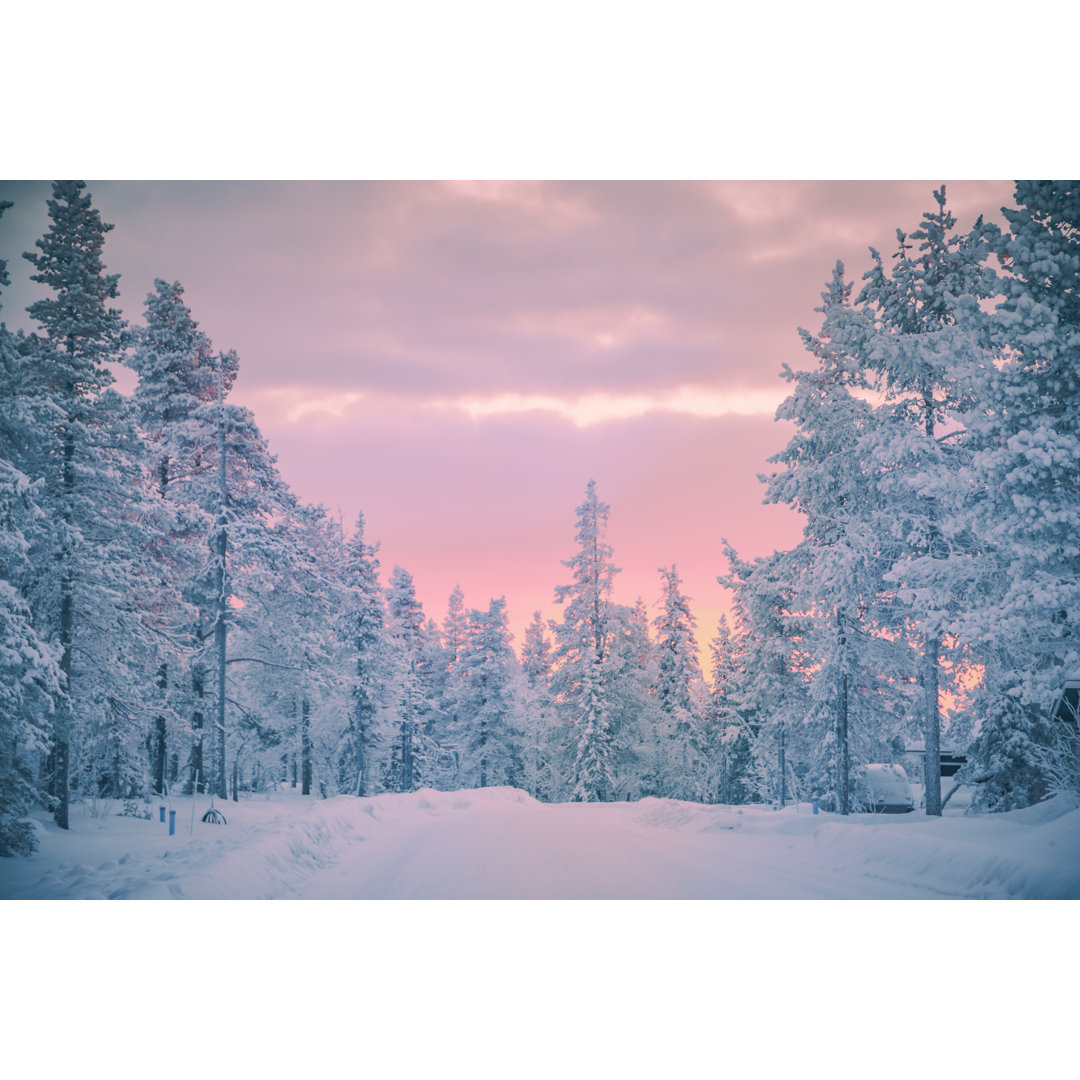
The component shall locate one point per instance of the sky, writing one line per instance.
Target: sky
(458, 359)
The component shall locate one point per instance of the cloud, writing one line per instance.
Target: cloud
(479, 290)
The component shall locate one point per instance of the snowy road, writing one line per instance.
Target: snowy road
(528, 850)
(501, 844)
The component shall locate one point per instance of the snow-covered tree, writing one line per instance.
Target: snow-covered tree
(726, 737)
(178, 382)
(924, 362)
(1026, 431)
(770, 690)
(583, 663)
(214, 469)
(830, 476)
(488, 705)
(363, 631)
(286, 645)
(678, 687)
(409, 762)
(539, 727)
(95, 585)
(30, 677)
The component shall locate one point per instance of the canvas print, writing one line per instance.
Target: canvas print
(539, 540)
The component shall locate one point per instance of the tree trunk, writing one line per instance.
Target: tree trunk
(62, 726)
(932, 728)
(781, 762)
(219, 650)
(305, 746)
(406, 757)
(220, 628)
(196, 766)
(483, 751)
(844, 781)
(361, 758)
(159, 751)
(781, 748)
(360, 727)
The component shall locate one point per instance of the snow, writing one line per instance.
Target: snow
(499, 843)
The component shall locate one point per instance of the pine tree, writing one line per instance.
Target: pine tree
(94, 570)
(30, 677)
(213, 468)
(925, 363)
(178, 382)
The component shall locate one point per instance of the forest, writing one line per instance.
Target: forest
(174, 617)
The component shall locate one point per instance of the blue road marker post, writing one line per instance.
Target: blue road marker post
(161, 810)
(172, 822)
(814, 800)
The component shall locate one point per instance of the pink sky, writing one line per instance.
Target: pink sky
(458, 359)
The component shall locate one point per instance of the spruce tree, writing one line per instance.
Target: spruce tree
(539, 730)
(726, 740)
(583, 677)
(678, 677)
(409, 763)
(489, 702)
(363, 627)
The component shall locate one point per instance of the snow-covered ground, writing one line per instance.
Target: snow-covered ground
(499, 843)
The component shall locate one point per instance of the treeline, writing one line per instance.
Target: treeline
(171, 615)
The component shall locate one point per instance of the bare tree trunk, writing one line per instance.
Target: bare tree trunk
(781, 747)
(305, 746)
(159, 751)
(406, 757)
(932, 728)
(195, 764)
